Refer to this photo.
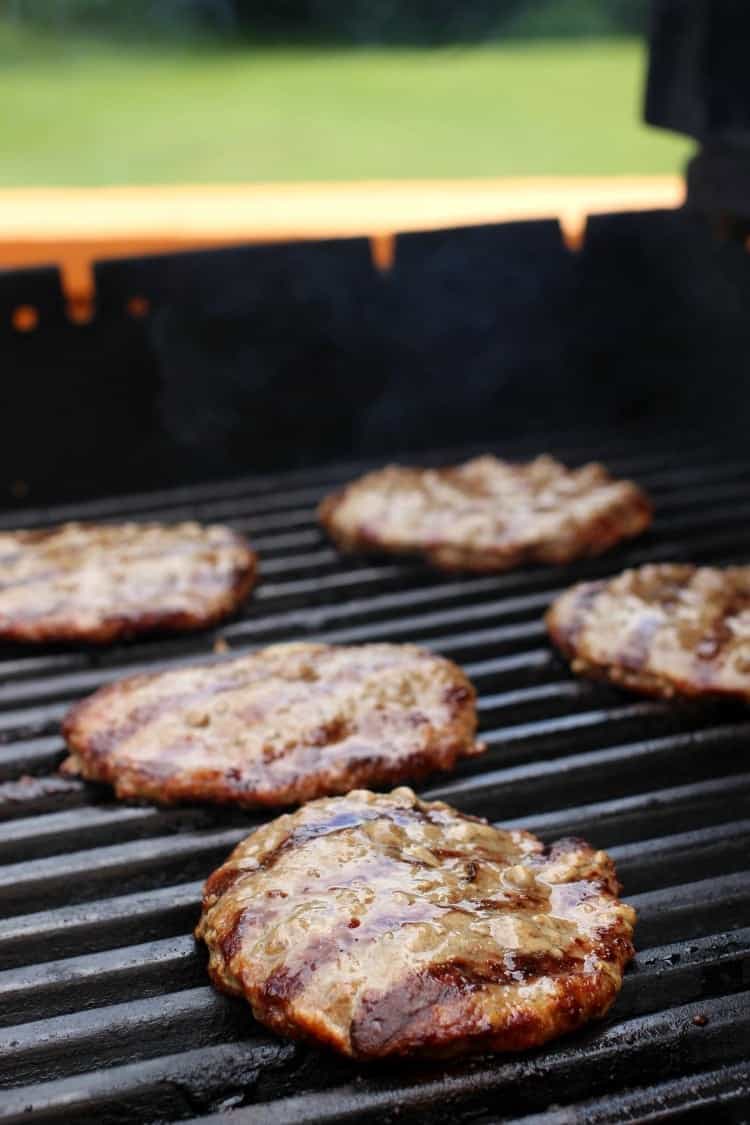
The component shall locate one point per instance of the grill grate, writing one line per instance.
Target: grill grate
(105, 1011)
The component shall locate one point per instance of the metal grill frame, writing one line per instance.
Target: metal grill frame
(105, 1008)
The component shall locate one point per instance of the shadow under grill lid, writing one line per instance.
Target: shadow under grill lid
(105, 1009)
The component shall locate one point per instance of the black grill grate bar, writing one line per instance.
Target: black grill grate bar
(692, 909)
(30, 665)
(653, 1046)
(720, 849)
(133, 865)
(326, 558)
(28, 721)
(631, 818)
(171, 1086)
(564, 692)
(71, 829)
(37, 755)
(51, 832)
(718, 515)
(52, 988)
(101, 924)
(32, 796)
(374, 606)
(471, 595)
(503, 635)
(523, 742)
(516, 668)
(529, 784)
(676, 478)
(722, 1095)
(271, 546)
(122, 1033)
(619, 820)
(420, 624)
(178, 1085)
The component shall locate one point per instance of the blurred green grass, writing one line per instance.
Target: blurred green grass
(76, 110)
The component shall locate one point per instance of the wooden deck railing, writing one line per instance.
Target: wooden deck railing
(74, 227)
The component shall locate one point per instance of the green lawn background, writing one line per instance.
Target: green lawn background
(78, 111)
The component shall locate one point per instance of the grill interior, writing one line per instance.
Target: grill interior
(104, 1000)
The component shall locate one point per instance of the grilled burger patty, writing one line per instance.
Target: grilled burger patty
(381, 925)
(279, 726)
(487, 514)
(660, 629)
(101, 582)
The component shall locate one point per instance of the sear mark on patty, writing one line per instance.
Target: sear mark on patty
(99, 583)
(352, 923)
(279, 726)
(486, 514)
(663, 629)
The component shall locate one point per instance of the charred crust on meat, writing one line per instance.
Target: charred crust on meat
(458, 694)
(409, 929)
(220, 882)
(662, 630)
(232, 940)
(277, 727)
(486, 515)
(101, 583)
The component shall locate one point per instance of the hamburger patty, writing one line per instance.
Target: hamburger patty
(660, 629)
(100, 582)
(277, 727)
(487, 514)
(378, 924)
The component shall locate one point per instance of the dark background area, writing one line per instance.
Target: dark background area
(282, 356)
(271, 357)
(410, 22)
